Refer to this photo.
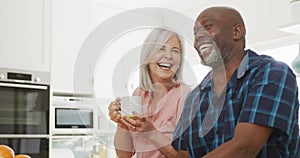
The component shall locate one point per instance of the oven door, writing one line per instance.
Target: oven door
(24, 108)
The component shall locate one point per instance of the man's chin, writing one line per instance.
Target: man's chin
(212, 64)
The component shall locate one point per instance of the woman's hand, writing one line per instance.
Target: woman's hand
(138, 124)
(114, 109)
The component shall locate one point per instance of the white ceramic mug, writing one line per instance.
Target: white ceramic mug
(130, 104)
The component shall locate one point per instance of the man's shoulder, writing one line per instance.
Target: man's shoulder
(262, 60)
(265, 66)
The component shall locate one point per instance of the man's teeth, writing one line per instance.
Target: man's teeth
(204, 47)
(165, 65)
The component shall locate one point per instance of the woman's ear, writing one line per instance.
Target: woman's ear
(238, 31)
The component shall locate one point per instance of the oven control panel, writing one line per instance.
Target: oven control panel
(24, 76)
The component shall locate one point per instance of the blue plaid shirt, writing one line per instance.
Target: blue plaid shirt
(262, 91)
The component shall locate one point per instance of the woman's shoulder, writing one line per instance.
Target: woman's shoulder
(139, 92)
(183, 89)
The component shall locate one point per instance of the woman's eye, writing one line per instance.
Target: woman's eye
(162, 48)
(176, 51)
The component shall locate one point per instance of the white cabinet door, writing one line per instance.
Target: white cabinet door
(72, 23)
(116, 63)
(70, 27)
(25, 34)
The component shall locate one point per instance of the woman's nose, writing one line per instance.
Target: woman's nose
(168, 53)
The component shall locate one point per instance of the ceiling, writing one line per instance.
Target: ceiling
(263, 18)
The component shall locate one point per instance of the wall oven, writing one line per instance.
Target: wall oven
(74, 115)
(24, 111)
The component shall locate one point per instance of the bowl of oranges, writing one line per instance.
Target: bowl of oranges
(8, 152)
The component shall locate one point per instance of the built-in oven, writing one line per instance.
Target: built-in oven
(74, 115)
(24, 111)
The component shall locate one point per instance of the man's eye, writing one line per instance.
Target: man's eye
(207, 26)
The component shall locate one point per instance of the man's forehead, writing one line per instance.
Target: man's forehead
(204, 20)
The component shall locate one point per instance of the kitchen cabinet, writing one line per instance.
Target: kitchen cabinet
(25, 34)
(70, 26)
(72, 22)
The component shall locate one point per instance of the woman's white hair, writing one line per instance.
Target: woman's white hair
(152, 44)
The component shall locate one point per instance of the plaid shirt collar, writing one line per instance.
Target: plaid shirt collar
(248, 62)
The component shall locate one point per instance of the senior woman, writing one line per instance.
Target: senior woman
(162, 92)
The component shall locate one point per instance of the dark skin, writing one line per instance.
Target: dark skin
(226, 27)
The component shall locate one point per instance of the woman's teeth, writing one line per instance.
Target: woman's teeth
(165, 65)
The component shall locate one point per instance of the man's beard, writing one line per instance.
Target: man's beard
(213, 60)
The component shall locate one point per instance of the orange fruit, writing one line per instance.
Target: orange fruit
(22, 156)
(6, 152)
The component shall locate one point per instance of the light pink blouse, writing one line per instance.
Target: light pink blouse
(164, 116)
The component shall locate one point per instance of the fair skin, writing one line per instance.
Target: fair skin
(162, 68)
(226, 29)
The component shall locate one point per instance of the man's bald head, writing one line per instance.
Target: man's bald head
(230, 15)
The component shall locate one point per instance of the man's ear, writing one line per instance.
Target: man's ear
(238, 31)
